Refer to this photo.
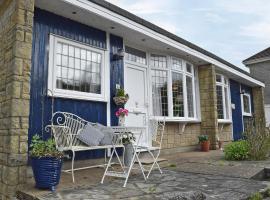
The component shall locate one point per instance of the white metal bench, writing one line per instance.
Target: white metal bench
(65, 127)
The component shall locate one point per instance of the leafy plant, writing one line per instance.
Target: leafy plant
(203, 138)
(256, 196)
(238, 150)
(44, 148)
(128, 138)
(258, 138)
(120, 92)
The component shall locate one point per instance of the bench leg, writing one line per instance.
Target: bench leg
(72, 166)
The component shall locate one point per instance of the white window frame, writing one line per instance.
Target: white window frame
(56, 92)
(185, 74)
(226, 110)
(242, 104)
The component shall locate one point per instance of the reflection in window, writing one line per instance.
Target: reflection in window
(190, 96)
(220, 102)
(246, 104)
(78, 69)
(178, 96)
(159, 93)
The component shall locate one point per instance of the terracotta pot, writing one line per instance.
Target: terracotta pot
(205, 146)
(220, 144)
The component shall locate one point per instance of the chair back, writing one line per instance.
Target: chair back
(156, 129)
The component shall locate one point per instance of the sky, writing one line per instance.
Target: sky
(231, 29)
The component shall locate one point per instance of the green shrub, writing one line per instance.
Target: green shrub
(120, 92)
(256, 196)
(258, 138)
(238, 150)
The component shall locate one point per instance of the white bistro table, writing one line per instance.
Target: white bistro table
(119, 132)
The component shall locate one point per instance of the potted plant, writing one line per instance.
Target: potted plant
(46, 162)
(121, 113)
(127, 140)
(204, 142)
(121, 97)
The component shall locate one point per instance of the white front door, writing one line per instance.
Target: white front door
(136, 86)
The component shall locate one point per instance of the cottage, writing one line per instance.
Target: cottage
(70, 54)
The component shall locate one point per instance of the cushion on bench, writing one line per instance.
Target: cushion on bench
(108, 134)
(90, 135)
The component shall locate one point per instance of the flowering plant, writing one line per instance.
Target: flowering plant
(121, 112)
(128, 138)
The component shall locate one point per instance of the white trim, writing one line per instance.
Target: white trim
(69, 93)
(105, 13)
(226, 109)
(258, 60)
(242, 104)
(107, 79)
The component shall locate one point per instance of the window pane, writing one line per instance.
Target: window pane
(159, 93)
(74, 69)
(177, 91)
(220, 102)
(246, 104)
(158, 61)
(218, 78)
(135, 55)
(177, 64)
(189, 68)
(190, 97)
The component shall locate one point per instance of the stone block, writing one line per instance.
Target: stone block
(10, 175)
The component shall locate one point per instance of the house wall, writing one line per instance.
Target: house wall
(237, 115)
(261, 71)
(46, 23)
(16, 21)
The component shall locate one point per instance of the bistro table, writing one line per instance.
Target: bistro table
(119, 133)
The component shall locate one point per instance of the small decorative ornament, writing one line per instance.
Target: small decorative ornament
(121, 113)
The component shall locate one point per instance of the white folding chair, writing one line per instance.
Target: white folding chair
(156, 130)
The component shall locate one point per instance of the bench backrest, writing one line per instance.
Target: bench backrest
(66, 127)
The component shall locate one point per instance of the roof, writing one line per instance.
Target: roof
(262, 54)
(159, 30)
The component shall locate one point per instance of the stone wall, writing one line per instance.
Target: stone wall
(258, 101)
(16, 21)
(208, 101)
(173, 136)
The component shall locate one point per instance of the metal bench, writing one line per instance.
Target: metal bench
(64, 128)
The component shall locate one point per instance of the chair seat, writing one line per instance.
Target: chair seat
(148, 148)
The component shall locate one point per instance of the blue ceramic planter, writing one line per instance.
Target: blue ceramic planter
(47, 172)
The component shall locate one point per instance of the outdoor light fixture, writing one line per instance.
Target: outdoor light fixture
(119, 54)
(242, 91)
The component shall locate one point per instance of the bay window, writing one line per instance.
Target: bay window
(173, 93)
(222, 91)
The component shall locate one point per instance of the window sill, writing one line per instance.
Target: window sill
(180, 120)
(247, 115)
(78, 96)
(224, 121)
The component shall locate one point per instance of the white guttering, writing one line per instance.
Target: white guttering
(105, 13)
(257, 60)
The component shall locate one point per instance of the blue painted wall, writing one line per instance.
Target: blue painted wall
(46, 23)
(117, 73)
(237, 116)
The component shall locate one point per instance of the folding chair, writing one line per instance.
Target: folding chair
(156, 130)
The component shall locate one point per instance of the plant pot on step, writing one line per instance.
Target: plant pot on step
(205, 146)
(47, 172)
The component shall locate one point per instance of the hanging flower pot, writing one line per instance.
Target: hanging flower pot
(121, 97)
